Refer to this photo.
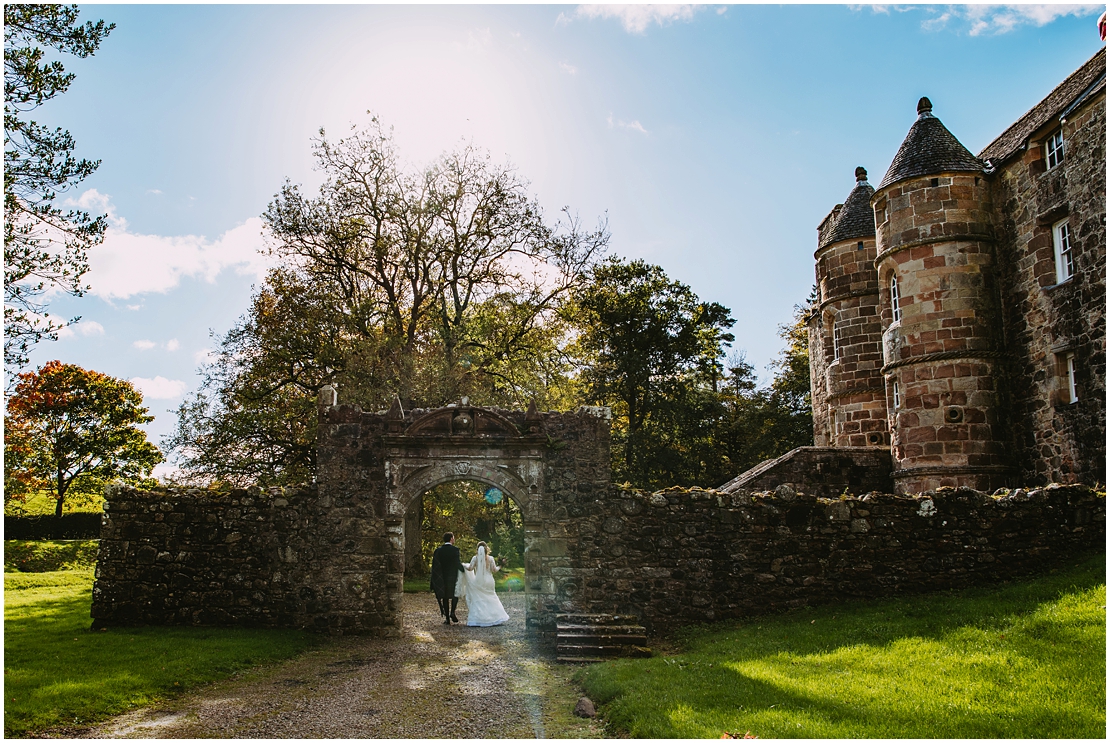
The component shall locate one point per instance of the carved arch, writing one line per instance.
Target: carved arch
(448, 470)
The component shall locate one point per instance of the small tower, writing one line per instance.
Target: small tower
(846, 382)
(940, 313)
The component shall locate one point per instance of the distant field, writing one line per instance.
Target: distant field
(1023, 660)
(41, 504)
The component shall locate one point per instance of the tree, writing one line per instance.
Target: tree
(766, 423)
(66, 426)
(428, 285)
(45, 248)
(652, 351)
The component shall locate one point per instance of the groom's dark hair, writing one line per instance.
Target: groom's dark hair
(448, 537)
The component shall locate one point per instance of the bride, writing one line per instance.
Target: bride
(483, 608)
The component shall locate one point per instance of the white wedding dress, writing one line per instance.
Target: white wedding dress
(483, 608)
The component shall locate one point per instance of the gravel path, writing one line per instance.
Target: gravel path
(434, 681)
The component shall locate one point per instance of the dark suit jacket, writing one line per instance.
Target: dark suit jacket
(446, 565)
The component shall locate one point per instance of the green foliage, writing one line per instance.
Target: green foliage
(58, 672)
(68, 428)
(652, 352)
(428, 285)
(1024, 660)
(45, 249)
(50, 555)
(460, 508)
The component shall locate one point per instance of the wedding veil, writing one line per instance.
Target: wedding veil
(481, 569)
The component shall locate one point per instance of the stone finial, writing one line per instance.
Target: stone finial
(861, 174)
(924, 107)
(532, 414)
(395, 412)
(327, 397)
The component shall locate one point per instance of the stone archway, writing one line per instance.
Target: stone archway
(379, 463)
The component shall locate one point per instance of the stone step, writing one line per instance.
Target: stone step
(601, 651)
(579, 659)
(601, 638)
(609, 629)
(595, 619)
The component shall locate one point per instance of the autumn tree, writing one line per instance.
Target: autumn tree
(66, 425)
(652, 351)
(45, 248)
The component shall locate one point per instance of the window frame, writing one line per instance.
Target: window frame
(1054, 149)
(895, 301)
(836, 340)
(1063, 251)
(895, 394)
(1069, 378)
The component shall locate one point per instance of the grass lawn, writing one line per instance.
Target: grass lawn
(57, 672)
(506, 580)
(1023, 660)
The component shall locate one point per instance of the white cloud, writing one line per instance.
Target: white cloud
(128, 263)
(84, 327)
(144, 345)
(1000, 19)
(633, 125)
(134, 307)
(569, 68)
(204, 356)
(154, 191)
(172, 345)
(637, 18)
(159, 388)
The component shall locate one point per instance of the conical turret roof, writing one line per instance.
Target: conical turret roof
(855, 220)
(929, 148)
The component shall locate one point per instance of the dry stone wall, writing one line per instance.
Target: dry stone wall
(679, 557)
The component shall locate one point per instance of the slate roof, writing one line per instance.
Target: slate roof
(855, 219)
(1088, 79)
(929, 148)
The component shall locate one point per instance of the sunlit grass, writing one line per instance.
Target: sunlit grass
(58, 672)
(1023, 660)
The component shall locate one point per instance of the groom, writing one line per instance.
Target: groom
(445, 573)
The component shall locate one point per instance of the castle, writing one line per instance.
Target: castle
(960, 317)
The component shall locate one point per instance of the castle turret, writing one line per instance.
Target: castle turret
(846, 383)
(940, 313)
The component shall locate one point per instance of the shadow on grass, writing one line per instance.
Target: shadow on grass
(1023, 660)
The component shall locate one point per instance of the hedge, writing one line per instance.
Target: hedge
(69, 526)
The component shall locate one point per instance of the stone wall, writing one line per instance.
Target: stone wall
(681, 557)
(820, 470)
(283, 557)
(300, 558)
(1055, 440)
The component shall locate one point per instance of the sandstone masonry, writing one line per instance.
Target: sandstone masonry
(960, 321)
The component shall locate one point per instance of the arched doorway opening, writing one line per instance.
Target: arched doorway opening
(473, 511)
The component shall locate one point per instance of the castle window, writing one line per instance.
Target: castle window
(896, 393)
(1061, 242)
(1054, 149)
(1070, 395)
(895, 308)
(837, 340)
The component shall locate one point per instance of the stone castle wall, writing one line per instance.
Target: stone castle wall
(820, 470)
(680, 557)
(1054, 440)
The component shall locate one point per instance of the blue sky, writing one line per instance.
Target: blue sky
(715, 138)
